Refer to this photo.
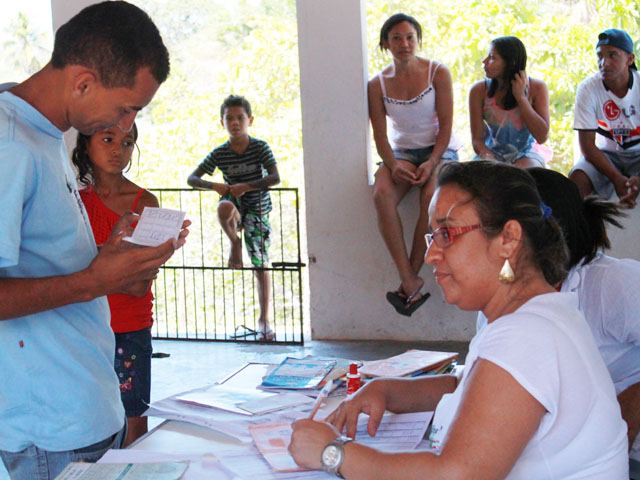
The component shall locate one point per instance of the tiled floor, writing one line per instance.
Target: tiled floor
(192, 364)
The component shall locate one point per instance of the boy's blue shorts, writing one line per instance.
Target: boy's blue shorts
(133, 368)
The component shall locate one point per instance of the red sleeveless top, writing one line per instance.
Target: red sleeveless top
(128, 313)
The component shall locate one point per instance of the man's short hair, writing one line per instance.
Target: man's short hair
(116, 39)
(235, 101)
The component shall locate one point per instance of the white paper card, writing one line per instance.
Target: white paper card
(112, 471)
(156, 226)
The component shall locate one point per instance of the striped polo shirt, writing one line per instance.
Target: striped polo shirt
(243, 167)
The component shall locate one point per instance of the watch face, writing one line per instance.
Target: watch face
(331, 455)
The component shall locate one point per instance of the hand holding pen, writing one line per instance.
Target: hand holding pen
(324, 393)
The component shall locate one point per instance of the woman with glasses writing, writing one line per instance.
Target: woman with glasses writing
(535, 399)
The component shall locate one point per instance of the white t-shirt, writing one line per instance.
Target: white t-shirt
(609, 297)
(616, 120)
(548, 349)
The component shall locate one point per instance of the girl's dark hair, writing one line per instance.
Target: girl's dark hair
(512, 51)
(583, 221)
(500, 193)
(82, 161)
(392, 21)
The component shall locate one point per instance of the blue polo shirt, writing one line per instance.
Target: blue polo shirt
(58, 388)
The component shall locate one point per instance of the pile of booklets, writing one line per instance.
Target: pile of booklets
(307, 374)
(411, 364)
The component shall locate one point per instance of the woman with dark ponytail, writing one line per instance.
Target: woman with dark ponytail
(608, 288)
(509, 111)
(535, 399)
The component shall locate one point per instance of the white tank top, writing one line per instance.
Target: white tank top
(414, 123)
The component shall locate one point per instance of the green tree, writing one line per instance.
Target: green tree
(25, 48)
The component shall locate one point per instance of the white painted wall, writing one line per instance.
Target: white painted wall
(63, 10)
(353, 269)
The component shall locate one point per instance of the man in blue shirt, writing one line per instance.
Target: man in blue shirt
(59, 396)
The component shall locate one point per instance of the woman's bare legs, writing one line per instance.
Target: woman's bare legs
(387, 195)
(419, 246)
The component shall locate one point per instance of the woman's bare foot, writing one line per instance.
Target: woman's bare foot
(235, 258)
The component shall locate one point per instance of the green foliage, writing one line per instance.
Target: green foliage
(247, 48)
(24, 49)
(560, 37)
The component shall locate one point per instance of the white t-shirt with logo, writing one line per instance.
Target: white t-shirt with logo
(616, 120)
(547, 347)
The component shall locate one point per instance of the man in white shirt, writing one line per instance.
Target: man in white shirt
(607, 118)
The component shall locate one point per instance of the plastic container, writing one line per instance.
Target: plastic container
(353, 379)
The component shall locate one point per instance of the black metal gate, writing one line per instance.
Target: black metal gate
(198, 297)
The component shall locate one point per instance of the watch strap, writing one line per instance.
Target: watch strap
(339, 442)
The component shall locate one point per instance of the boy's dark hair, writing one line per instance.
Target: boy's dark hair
(235, 101)
(116, 39)
(82, 161)
(502, 192)
(392, 21)
(514, 54)
(583, 221)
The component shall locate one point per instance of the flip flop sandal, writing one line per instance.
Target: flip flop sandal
(245, 332)
(403, 305)
(398, 301)
(412, 307)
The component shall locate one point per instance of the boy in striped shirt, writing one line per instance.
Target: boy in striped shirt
(248, 168)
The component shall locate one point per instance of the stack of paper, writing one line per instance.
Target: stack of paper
(410, 363)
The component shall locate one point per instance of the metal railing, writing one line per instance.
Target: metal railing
(198, 297)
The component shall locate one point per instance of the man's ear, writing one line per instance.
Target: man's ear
(510, 239)
(251, 120)
(85, 81)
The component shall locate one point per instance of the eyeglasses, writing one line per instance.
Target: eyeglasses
(444, 236)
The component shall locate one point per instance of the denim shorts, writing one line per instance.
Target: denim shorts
(133, 368)
(418, 156)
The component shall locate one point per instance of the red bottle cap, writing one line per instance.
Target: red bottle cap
(353, 369)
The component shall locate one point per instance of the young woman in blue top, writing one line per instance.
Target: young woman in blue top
(509, 111)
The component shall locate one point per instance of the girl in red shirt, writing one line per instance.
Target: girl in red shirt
(101, 160)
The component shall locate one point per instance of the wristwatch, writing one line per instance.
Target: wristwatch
(333, 455)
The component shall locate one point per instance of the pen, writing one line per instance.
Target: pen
(323, 394)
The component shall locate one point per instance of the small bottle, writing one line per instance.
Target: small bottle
(353, 379)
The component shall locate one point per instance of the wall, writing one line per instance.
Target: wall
(352, 269)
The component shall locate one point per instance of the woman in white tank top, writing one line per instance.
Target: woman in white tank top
(416, 95)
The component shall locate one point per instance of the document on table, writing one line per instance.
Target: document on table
(248, 463)
(226, 398)
(201, 467)
(156, 226)
(397, 432)
(123, 471)
(228, 423)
